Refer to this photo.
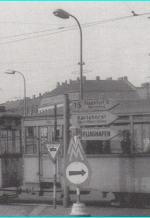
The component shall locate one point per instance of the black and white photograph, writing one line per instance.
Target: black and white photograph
(75, 109)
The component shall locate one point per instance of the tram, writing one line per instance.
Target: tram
(125, 174)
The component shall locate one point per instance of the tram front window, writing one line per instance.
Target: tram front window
(31, 144)
(10, 141)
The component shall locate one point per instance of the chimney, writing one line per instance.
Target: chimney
(58, 84)
(66, 82)
(70, 81)
(97, 78)
(125, 78)
(120, 78)
(145, 85)
(109, 78)
(78, 79)
(40, 95)
(33, 97)
(84, 78)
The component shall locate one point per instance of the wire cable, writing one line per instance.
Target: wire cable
(24, 34)
(67, 28)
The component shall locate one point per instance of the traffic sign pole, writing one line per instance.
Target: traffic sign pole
(54, 186)
(78, 194)
(53, 150)
(66, 198)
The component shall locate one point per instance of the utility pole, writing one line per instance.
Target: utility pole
(66, 144)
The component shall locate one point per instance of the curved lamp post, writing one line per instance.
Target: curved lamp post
(65, 15)
(13, 72)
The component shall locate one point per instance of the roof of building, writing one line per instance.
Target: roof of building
(132, 107)
(20, 103)
(12, 104)
(116, 89)
(94, 86)
(34, 101)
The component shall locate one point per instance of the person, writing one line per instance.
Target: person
(126, 143)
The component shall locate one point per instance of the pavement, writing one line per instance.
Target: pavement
(95, 197)
(94, 211)
(33, 205)
(44, 210)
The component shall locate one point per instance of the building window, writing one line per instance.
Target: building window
(10, 141)
(142, 138)
(31, 140)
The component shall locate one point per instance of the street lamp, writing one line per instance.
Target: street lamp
(13, 72)
(65, 15)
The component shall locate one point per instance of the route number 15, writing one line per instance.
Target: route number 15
(77, 104)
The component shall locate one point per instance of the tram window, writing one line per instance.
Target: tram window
(57, 135)
(142, 138)
(43, 138)
(10, 141)
(17, 137)
(112, 146)
(96, 147)
(31, 142)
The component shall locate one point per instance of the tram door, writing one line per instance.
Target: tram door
(46, 133)
(45, 164)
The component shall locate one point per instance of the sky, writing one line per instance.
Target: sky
(46, 49)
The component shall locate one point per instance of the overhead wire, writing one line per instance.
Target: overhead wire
(114, 19)
(24, 34)
(13, 22)
(69, 28)
(127, 5)
(32, 37)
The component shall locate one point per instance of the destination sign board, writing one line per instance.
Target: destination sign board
(98, 133)
(92, 105)
(92, 118)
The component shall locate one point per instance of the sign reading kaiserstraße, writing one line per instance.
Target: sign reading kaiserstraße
(92, 105)
(98, 133)
(92, 118)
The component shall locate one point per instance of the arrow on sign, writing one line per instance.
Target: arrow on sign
(73, 173)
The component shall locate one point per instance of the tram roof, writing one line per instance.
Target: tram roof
(9, 114)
